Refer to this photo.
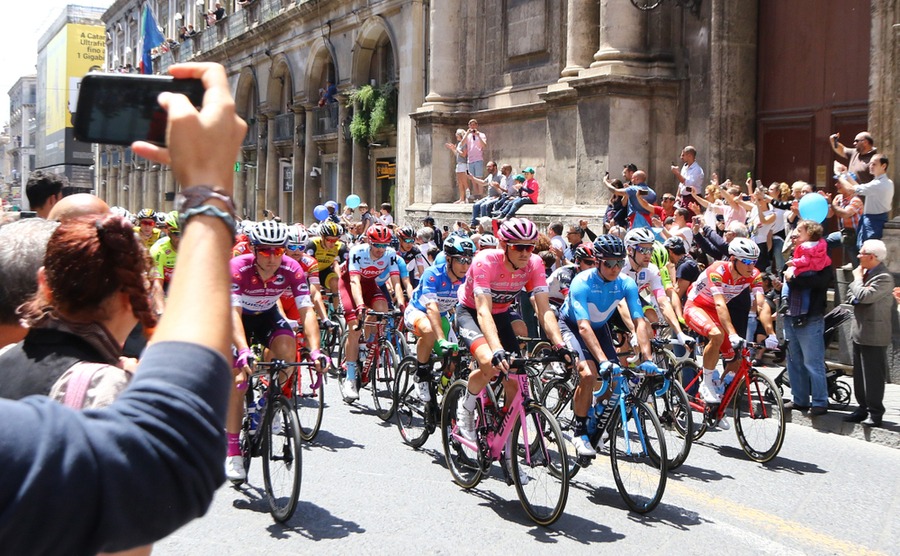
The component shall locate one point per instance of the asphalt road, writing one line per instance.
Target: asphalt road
(365, 492)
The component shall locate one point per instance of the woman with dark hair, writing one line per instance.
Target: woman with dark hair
(92, 290)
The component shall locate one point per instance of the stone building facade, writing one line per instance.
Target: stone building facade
(574, 88)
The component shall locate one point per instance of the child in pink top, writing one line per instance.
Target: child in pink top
(810, 255)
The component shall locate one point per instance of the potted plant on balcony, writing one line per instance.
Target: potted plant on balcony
(374, 109)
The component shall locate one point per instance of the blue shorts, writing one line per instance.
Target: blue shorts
(477, 169)
(576, 343)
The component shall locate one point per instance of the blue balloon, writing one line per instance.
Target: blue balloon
(813, 207)
(320, 212)
(353, 201)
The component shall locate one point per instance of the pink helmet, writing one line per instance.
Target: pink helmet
(518, 229)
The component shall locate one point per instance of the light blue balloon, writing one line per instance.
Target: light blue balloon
(353, 201)
(813, 207)
(320, 212)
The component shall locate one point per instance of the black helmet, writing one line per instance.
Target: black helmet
(456, 245)
(406, 232)
(609, 247)
(675, 245)
(583, 251)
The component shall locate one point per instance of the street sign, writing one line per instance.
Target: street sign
(237, 166)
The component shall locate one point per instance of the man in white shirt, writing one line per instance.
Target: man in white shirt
(689, 176)
(878, 195)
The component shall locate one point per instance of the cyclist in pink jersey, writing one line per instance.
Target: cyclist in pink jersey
(706, 311)
(257, 282)
(486, 324)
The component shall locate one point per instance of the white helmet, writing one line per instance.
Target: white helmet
(269, 232)
(488, 241)
(637, 236)
(743, 248)
(123, 212)
(313, 230)
(297, 235)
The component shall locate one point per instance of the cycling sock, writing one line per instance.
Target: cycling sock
(423, 371)
(351, 370)
(579, 426)
(234, 444)
(470, 401)
(708, 377)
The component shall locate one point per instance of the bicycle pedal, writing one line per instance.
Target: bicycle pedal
(584, 461)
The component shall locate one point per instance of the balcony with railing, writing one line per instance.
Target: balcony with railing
(325, 118)
(284, 127)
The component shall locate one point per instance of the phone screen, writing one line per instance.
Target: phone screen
(119, 109)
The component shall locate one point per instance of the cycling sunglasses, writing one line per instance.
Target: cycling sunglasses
(294, 247)
(331, 238)
(613, 263)
(589, 262)
(643, 250)
(463, 260)
(522, 247)
(409, 240)
(270, 251)
(748, 262)
(381, 245)
(148, 222)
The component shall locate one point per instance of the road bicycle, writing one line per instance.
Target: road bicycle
(754, 402)
(379, 362)
(308, 392)
(637, 445)
(270, 430)
(417, 420)
(522, 434)
(331, 337)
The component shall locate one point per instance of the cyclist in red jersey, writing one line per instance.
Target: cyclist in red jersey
(486, 324)
(298, 237)
(706, 311)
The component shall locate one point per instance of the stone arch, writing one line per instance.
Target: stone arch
(246, 96)
(280, 92)
(373, 32)
(321, 56)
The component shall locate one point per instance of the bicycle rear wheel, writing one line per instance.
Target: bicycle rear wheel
(282, 458)
(382, 382)
(638, 457)
(758, 412)
(463, 461)
(675, 416)
(410, 413)
(540, 474)
(686, 375)
(557, 399)
(309, 401)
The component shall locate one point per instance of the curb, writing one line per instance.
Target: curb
(833, 422)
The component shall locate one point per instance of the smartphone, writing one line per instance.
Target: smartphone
(689, 189)
(446, 228)
(759, 183)
(121, 108)
(643, 192)
(745, 197)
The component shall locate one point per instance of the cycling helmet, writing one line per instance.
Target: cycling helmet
(743, 248)
(123, 212)
(636, 236)
(609, 247)
(171, 220)
(269, 232)
(313, 230)
(146, 213)
(659, 257)
(518, 229)
(459, 246)
(379, 234)
(676, 245)
(161, 218)
(406, 232)
(488, 240)
(297, 235)
(459, 233)
(245, 227)
(330, 229)
(583, 251)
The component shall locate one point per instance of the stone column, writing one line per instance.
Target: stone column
(151, 191)
(581, 35)
(273, 188)
(344, 151)
(168, 186)
(125, 184)
(623, 32)
(112, 186)
(311, 184)
(261, 161)
(136, 188)
(410, 96)
(299, 162)
(443, 41)
(360, 155)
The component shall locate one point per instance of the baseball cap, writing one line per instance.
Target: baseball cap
(529, 170)
(520, 177)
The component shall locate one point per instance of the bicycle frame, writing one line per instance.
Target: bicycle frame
(619, 382)
(740, 377)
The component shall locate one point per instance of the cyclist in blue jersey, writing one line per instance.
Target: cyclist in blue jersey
(594, 295)
(386, 278)
(426, 314)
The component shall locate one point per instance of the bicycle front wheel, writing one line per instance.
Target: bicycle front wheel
(690, 375)
(382, 383)
(410, 412)
(463, 461)
(282, 459)
(541, 472)
(758, 412)
(557, 399)
(638, 457)
(309, 401)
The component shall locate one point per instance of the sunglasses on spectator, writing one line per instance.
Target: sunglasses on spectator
(668, 198)
(381, 245)
(294, 247)
(643, 250)
(748, 262)
(463, 260)
(270, 251)
(613, 263)
(522, 247)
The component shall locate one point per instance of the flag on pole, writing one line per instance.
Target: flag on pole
(151, 37)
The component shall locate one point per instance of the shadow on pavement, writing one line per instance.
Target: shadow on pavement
(314, 522)
(779, 463)
(331, 442)
(685, 471)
